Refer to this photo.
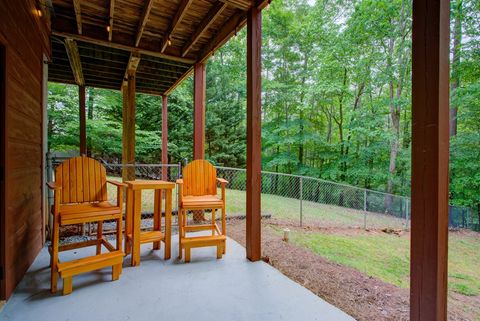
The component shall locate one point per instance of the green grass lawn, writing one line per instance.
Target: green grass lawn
(387, 257)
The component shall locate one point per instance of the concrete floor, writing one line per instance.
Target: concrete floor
(205, 289)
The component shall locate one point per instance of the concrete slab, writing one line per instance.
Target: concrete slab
(205, 289)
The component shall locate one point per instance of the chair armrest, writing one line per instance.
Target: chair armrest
(54, 186)
(117, 183)
(179, 181)
(222, 181)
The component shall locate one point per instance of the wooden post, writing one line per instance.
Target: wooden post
(83, 123)
(128, 137)
(199, 111)
(164, 137)
(430, 153)
(254, 128)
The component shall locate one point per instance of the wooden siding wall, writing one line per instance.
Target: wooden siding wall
(25, 38)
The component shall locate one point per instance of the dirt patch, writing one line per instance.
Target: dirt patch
(362, 297)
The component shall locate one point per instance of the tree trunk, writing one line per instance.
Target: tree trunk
(455, 79)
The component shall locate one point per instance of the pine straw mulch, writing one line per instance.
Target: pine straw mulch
(362, 297)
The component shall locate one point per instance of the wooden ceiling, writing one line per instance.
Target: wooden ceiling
(98, 42)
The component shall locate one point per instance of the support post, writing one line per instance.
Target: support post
(83, 123)
(128, 134)
(430, 156)
(254, 143)
(164, 137)
(199, 90)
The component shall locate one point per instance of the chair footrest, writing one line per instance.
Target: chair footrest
(201, 241)
(90, 263)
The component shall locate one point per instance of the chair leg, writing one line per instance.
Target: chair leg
(224, 226)
(116, 271)
(219, 251)
(214, 212)
(54, 256)
(119, 234)
(99, 236)
(187, 254)
(67, 285)
(180, 228)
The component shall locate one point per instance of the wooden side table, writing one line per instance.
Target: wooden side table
(133, 235)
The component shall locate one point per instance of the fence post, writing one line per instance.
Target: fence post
(301, 201)
(407, 213)
(364, 209)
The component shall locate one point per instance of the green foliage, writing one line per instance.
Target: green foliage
(336, 99)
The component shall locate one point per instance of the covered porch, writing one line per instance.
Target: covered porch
(142, 46)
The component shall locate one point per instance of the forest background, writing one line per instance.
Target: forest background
(336, 100)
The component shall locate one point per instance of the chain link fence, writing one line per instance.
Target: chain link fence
(308, 201)
(292, 199)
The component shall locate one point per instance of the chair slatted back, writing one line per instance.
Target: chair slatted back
(83, 179)
(199, 178)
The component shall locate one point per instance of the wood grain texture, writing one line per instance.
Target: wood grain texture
(430, 157)
(183, 31)
(254, 131)
(75, 63)
(128, 136)
(25, 39)
(143, 20)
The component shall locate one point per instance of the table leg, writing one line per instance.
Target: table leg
(128, 220)
(157, 215)
(168, 223)
(137, 219)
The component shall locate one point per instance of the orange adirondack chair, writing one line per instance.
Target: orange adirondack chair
(81, 197)
(198, 191)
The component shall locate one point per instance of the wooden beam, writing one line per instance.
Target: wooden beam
(229, 28)
(182, 9)
(110, 20)
(244, 5)
(132, 66)
(210, 18)
(199, 91)
(78, 15)
(128, 133)
(121, 46)
(262, 4)
(254, 134)
(164, 137)
(143, 20)
(83, 121)
(75, 63)
(430, 157)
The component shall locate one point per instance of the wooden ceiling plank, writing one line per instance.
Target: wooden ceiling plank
(120, 46)
(78, 15)
(210, 18)
(110, 20)
(131, 67)
(184, 5)
(143, 21)
(75, 63)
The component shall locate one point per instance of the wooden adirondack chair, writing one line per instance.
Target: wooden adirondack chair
(198, 191)
(81, 197)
